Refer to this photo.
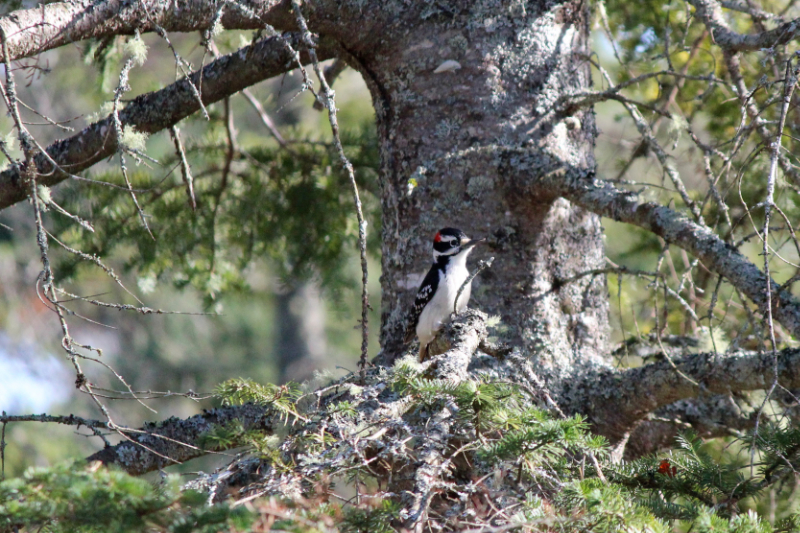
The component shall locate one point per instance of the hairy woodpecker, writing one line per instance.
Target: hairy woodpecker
(436, 296)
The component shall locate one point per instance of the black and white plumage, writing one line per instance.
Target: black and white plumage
(436, 297)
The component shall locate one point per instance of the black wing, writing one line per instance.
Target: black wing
(424, 295)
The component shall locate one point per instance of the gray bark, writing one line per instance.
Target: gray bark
(710, 12)
(174, 440)
(700, 241)
(618, 401)
(436, 126)
(33, 31)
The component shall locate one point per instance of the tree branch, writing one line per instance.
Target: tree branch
(710, 12)
(675, 228)
(176, 439)
(33, 31)
(616, 402)
(708, 417)
(156, 111)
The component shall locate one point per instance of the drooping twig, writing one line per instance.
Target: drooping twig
(790, 80)
(123, 87)
(265, 118)
(27, 144)
(328, 96)
(180, 63)
(186, 171)
(3, 451)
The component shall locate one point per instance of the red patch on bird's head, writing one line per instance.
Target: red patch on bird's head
(438, 237)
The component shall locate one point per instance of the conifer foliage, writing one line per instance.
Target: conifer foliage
(356, 457)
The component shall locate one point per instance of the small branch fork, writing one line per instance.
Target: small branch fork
(327, 99)
(790, 81)
(482, 265)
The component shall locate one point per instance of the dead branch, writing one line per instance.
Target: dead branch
(36, 30)
(675, 228)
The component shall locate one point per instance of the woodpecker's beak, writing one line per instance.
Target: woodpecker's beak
(469, 243)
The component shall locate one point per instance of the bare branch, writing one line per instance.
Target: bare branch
(177, 438)
(33, 31)
(156, 111)
(700, 241)
(710, 12)
(617, 401)
(265, 118)
(327, 95)
(186, 171)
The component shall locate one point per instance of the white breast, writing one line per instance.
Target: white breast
(438, 311)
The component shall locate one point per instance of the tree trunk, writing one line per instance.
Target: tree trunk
(468, 118)
(301, 343)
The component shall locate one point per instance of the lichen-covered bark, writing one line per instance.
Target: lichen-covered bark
(710, 12)
(33, 31)
(450, 88)
(175, 440)
(708, 416)
(616, 402)
(700, 241)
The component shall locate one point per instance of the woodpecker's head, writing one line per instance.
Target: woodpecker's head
(451, 241)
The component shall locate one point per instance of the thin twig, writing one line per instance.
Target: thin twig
(265, 118)
(123, 87)
(186, 171)
(328, 95)
(790, 80)
(3, 450)
(482, 265)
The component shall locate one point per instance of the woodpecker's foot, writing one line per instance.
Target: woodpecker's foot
(423, 352)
